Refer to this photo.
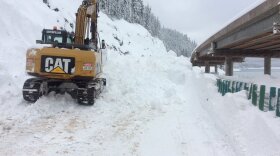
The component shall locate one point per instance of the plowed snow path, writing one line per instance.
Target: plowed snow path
(166, 109)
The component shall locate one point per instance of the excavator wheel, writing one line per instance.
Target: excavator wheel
(88, 92)
(104, 82)
(86, 96)
(32, 90)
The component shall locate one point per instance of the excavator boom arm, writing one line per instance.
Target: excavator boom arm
(86, 22)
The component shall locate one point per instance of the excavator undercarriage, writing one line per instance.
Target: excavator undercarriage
(85, 92)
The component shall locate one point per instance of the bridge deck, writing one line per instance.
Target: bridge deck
(255, 34)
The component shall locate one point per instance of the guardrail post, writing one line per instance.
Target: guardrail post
(255, 95)
(218, 84)
(250, 92)
(224, 88)
(228, 87)
(236, 87)
(221, 86)
(221, 91)
(246, 87)
(233, 87)
(272, 97)
(241, 86)
(278, 104)
(262, 96)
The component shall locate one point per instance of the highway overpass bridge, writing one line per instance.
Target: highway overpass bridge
(255, 34)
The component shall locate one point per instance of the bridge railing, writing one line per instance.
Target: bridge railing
(261, 97)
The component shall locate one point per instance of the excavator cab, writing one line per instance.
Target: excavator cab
(64, 39)
(56, 37)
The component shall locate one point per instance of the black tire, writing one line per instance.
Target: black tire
(34, 85)
(104, 82)
(87, 97)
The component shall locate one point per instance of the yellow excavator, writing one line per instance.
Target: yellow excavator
(68, 62)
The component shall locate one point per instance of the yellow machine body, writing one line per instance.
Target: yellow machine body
(87, 64)
(69, 62)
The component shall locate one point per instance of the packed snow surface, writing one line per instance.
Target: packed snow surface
(155, 103)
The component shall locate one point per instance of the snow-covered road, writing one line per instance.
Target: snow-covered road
(169, 109)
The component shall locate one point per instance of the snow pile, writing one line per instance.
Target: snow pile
(155, 103)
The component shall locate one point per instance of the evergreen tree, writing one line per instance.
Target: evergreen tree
(146, 17)
(177, 42)
(137, 11)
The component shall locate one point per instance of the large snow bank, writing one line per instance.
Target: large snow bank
(155, 103)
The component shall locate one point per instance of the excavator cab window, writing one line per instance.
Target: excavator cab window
(69, 40)
(63, 39)
(49, 38)
(56, 37)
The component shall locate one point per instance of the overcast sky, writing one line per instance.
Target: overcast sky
(199, 18)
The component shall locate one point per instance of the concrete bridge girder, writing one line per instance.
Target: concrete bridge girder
(255, 34)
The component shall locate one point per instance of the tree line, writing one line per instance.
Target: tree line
(134, 11)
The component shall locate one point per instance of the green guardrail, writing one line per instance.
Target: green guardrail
(265, 101)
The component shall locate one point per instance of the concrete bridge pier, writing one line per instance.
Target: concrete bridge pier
(216, 69)
(267, 65)
(207, 67)
(229, 66)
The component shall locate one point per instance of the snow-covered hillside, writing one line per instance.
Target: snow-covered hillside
(155, 103)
